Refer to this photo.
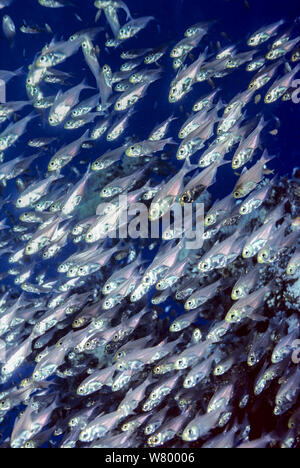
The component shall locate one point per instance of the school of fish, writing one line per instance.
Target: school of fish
(144, 342)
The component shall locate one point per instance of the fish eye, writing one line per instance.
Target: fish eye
(243, 209)
(268, 97)
(42, 58)
(84, 45)
(236, 194)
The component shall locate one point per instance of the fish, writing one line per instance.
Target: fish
(222, 254)
(5, 3)
(110, 9)
(246, 306)
(281, 86)
(130, 97)
(55, 3)
(245, 284)
(147, 147)
(156, 54)
(112, 337)
(33, 193)
(249, 179)
(35, 29)
(187, 44)
(201, 426)
(56, 53)
(165, 199)
(7, 75)
(247, 148)
(293, 264)
(200, 183)
(183, 82)
(160, 131)
(279, 50)
(66, 154)
(264, 76)
(40, 142)
(13, 132)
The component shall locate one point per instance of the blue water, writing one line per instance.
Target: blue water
(172, 19)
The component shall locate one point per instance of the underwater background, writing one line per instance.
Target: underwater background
(236, 20)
